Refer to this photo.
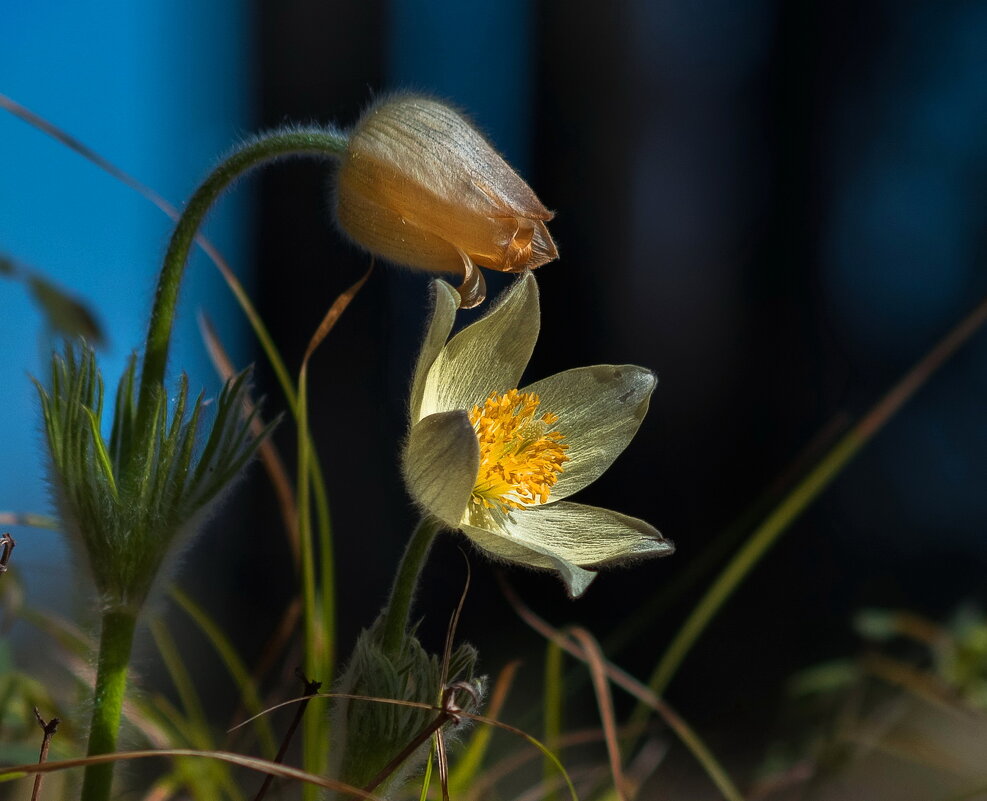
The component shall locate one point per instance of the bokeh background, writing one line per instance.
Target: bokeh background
(776, 206)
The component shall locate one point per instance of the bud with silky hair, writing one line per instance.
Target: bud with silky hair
(420, 187)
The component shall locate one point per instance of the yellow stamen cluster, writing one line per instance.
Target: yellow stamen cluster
(520, 458)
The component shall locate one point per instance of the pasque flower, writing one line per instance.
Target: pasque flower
(419, 186)
(497, 462)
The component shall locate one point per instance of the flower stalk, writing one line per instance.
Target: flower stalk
(116, 638)
(264, 149)
(137, 427)
(398, 609)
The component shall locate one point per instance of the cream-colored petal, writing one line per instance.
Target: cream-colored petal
(586, 535)
(600, 409)
(576, 579)
(441, 460)
(569, 537)
(445, 303)
(488, 356)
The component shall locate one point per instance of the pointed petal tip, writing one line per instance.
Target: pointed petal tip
(657, 546)
(576, 580)
(543, 247)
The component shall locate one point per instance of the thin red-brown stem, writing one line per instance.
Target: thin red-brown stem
(640, 691)
(8, 772)
(311, 688)
(6, 549)
(49, 729)
(604, 700)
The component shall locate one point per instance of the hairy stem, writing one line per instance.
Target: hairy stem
(116, 638)
(262, 150)
(405, 583)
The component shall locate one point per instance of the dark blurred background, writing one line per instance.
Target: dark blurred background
(776, 206)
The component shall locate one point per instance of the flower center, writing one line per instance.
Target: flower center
(520, 458)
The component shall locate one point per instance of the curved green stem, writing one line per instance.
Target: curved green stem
(266, 148)
(116, 638)
(405, 583)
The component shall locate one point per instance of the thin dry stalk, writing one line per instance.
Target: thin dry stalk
(6, 549)
(624, 680)
(251, 763)
(311, 689)
(604, 701)
(29, 519)
(440, 709)
(335, 312)
(586, 777)
(510, 764)
(49, 729)
(449, 712)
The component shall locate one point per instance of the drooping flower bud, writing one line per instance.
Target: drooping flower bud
(419, 186)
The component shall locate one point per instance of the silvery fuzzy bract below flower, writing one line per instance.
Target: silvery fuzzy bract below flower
(370, 734)
(497, 463)
(128, 501)
(419, 186)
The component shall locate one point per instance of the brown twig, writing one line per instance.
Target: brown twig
(49, 729)
(450, 712)
(311, 688)
(481, 786)
(625, 681)
(6, 549)
(251, 763)
(411, 705)
(598, 671)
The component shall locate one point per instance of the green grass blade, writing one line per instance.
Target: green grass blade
(427, 778)
(554, 685)
(806, 491)
(234, 665)
(189, 696)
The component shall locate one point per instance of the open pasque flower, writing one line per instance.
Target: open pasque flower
(497, 463)
(419, 186)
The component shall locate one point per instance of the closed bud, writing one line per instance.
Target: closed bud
(371, 734)
(419, 186)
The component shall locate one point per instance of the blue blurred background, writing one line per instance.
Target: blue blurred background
(776, 206)
(159, 97)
